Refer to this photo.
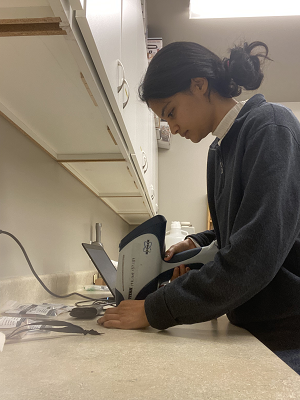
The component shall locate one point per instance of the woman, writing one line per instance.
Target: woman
(253, 191)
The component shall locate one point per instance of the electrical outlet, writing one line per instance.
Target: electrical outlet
(95, 277)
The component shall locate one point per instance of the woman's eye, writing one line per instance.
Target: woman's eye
(170, 115)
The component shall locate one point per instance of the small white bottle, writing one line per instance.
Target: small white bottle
(175, 235)
(187, 226)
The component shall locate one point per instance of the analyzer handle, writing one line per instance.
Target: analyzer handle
(199, 255)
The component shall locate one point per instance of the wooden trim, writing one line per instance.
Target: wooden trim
(129, 171)
(97, 157)
(75, 160)
(111, 135)
(209, 220)
(88, 89)
(123, 195)
(31, 27)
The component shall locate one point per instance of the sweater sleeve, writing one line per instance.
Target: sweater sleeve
(265, 228)
(204, 238)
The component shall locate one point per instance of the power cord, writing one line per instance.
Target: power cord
(36, 275)
(49, 325)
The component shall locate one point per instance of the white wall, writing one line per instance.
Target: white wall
(295, 107)
(182, 181)
(48, 210)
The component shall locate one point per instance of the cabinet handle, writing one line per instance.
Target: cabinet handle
(124, 82)
(144, 162)
(152, 192)
(119, 88)
(127, 93)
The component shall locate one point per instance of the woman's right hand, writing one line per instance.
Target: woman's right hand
(184, 245)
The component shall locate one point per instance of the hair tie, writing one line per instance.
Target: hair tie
(228, 63)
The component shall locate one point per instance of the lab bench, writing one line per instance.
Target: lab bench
(213, 360)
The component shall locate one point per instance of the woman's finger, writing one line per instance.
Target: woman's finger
(168, 255)
(178, 248)
(179, 271)
(182, 269)
(115, 324)
(175, 274)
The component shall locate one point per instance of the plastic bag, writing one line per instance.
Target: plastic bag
(44, 310)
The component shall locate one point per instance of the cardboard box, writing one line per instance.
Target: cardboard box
(153, 46)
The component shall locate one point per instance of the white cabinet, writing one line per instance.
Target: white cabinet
(121, 70)
(61, 89)
(100, 24)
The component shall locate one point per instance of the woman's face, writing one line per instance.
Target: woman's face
(191, 114)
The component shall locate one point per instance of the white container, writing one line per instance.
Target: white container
(175, 235)
(187, 226)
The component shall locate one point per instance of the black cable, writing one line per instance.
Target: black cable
(47, 325)
(106, 301)
(36, 275)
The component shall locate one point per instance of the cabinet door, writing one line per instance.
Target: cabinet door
(134, 59)
(100, 24)
(129, 57)
(136, 114)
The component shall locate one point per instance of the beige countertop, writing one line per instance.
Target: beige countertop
(213, 361)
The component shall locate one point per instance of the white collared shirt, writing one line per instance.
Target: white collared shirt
(222, 129)
(227, 122)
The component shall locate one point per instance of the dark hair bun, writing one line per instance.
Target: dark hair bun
(244, 66)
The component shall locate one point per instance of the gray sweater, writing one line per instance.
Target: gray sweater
(253, 186)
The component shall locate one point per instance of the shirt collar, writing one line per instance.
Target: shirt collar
(227, 122)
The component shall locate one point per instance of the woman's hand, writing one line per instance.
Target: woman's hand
(186, 244)
(179, 271)
(130, 314)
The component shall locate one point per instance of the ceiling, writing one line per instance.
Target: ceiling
(169, 19)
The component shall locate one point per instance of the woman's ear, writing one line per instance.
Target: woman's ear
(199, 85)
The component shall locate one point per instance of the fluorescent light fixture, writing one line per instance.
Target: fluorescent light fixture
(240, 8)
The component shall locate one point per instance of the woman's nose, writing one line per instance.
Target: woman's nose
(174, 129)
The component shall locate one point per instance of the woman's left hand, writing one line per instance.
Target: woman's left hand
(130, 314)
(179, 271)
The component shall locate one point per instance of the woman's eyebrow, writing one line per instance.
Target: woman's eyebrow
(164, 108)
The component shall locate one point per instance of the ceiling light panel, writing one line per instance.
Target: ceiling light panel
(200, 9)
